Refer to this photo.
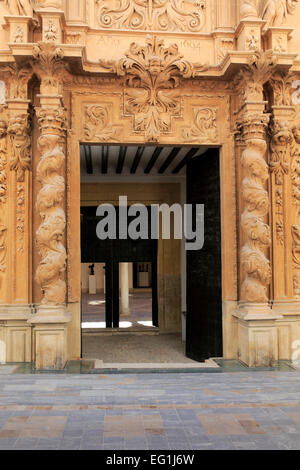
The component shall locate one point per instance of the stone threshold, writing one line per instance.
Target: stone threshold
(208, 364)
(95, 366)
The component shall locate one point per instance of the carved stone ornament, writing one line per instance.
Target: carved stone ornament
(17, 80)
(205, 127)
(3, 192)
(51, 32)
(295, 169)
(280, 150)
(49, 66)
(256, 198)
(282, 88)
(296, 284)
(19, 133)
(251, 79)
(18, 36)
(248, 9)
(275, 12)
(3, 161)
(50, 204)
(98, 126)
(149, 15)
(20, 7)
(152, 75)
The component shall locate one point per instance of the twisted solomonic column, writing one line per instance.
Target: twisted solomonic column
(256, 198)
(50, 204)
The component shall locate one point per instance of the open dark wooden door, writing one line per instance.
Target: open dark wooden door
(204, 296)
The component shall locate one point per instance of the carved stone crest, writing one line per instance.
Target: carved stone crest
(152, 75)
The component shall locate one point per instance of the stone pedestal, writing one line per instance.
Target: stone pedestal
(277, 39)
(52, 25)
(50, 337)
(19, 29)
(248, 34)
(257, 335)
(15, 333)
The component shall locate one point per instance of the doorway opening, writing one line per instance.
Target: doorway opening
(150, 301)
(119, 279)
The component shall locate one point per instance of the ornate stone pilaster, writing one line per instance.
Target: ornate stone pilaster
(20, 182)
(281, 144)
(15, 217)
(51, 318)
(4, 170)
(284, 167)
(256, 321)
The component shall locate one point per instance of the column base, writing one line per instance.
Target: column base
(257, 334)
(15, 333)
(50, 337)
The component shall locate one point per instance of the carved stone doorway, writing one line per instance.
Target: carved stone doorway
(146, 175)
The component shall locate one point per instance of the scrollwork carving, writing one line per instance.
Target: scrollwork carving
(98, 126)
(152, 75)
(158, 15)
(205, 127)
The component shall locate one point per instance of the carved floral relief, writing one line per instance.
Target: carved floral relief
(19, 133)
(158, 15)
(152, 76)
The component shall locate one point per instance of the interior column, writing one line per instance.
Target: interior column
(124, 278)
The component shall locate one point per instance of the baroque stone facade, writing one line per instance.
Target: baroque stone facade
(213, 73)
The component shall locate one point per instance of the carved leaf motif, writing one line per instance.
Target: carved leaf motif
(282, 88)
(19, 130)
(152, 74)
(17, 80)
(280, 150)
(49, 66)
(163, 15)
(205, 128)
(251, 78)
(98, 125)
